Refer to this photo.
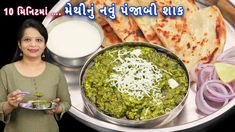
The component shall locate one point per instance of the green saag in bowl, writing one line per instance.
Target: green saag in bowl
(134, 84)
(41, 104)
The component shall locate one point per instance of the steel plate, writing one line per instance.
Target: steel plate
(189, 117)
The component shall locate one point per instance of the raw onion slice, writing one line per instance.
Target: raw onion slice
(204, 75)
(217, 84)
(210, 88)
(230, 53)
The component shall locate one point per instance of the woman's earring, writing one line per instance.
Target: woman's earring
(43, 55)
(21, 54)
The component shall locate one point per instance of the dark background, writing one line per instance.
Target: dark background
(9, 27)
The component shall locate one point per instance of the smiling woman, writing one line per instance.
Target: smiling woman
(30, 72)
(31, 41)
(12, 23)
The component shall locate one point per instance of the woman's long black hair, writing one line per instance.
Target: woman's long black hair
(41, 29)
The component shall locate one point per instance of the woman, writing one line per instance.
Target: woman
(30, 72)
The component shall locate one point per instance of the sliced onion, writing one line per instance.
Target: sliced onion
(232, 84)
(202, 66)
(213, 98)
(204, 75)
(202, 104)
(226, 54)
(219, 84)
(210, 88)
(232, 62)
(214, 75)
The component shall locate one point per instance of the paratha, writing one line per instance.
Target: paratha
(144, 22)
(98, 4)
(124, 26)
(196, 38)
(110, 37)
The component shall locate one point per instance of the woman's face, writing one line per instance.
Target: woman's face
(32, 43)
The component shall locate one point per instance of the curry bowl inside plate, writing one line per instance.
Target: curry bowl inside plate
(38, 105)
(134, 84)
(41, 104)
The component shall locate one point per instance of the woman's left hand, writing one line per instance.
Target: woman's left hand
(57, 109)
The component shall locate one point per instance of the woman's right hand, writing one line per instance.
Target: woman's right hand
(14, 98)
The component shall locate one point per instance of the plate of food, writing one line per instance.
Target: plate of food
(202, 39)
(38, 105)
(138, 84)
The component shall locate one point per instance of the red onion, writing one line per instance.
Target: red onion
(232, 84)
(228, 61)
(213, 98)
(215, 89)
(202, 104)
(230, 53)
(210, 88)
(217, 84)
(204, 75)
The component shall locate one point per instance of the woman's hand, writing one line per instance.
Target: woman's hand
(57, 109)
(14, 98)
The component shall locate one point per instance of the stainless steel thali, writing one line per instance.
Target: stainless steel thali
(187, 119)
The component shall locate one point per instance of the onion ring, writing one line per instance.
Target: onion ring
(210, 87)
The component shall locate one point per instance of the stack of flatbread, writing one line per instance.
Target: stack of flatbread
(197, 37)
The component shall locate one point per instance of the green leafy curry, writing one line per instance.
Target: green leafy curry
(137, 83)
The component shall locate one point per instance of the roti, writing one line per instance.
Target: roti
(124, 26)
(196, 38)
(144, 22)
(110, 36)
(98, 4)
(208, 29)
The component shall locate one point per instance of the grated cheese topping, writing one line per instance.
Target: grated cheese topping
(136, 76)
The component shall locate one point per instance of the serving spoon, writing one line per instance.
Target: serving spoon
(24, 92)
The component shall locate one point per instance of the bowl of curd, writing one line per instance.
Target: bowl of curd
(72, 39)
